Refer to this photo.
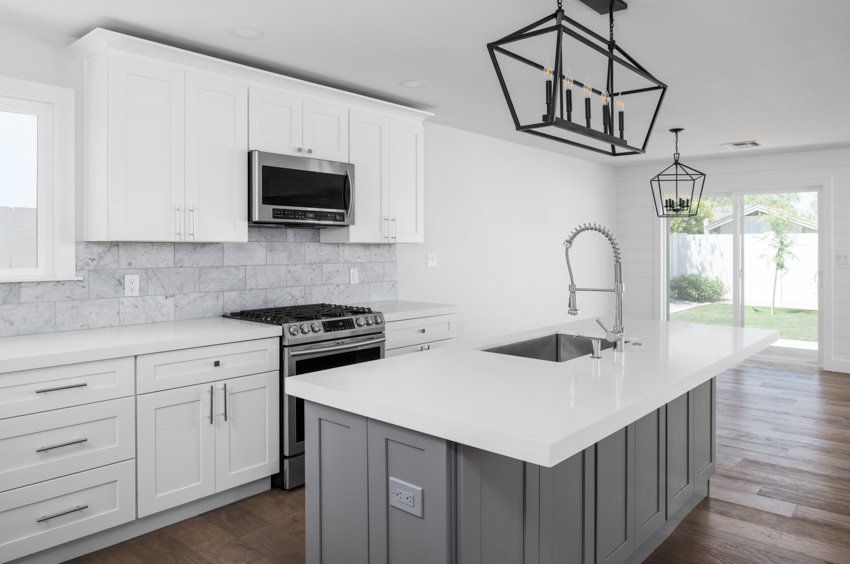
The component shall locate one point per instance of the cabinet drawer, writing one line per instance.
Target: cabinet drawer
(39, 447)
(419, 348)
(422, 330)
(174, 369)
(51, 513)
(33, 391)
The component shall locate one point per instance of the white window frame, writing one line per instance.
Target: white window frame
(54, 107)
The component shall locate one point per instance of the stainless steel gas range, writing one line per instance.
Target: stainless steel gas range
(315, 337)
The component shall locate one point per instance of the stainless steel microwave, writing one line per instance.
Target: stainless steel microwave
(300, 191)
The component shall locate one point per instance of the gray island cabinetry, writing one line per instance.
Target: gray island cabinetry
(614, 502)
(463, 456)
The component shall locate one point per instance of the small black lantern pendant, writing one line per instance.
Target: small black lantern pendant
(677, 190)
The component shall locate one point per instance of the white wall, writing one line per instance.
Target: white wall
(496, 215)
(829, 169)
(38, 56)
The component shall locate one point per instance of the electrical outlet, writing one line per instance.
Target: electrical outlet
(431, 261)
(406, 497)
(353, 277)
(131, 284)
(842, 259)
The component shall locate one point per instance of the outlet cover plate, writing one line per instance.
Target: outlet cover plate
(431, 261)
(353, 277)
(131, 284)
(406, 497)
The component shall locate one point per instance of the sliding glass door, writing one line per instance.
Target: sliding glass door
(748, 260)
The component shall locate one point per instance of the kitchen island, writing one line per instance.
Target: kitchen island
(466, 455)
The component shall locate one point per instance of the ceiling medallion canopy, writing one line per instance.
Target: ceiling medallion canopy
(557, 51)
(677, 189)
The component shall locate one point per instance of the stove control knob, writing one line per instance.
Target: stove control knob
(305, 328)
(316, 326)
(378, 320)
(293, 330)
(360, 322)
(369, 320)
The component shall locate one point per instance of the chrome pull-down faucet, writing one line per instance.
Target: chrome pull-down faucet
(616, 334)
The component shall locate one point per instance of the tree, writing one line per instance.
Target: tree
(780, 240)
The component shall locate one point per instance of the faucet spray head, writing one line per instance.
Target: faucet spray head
(573, 306)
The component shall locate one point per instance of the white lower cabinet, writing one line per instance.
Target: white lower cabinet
(50, 513)
(55, 443)
(199, 440)
(420, 334)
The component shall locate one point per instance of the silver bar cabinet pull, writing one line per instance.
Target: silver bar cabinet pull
(77, 442)
(212, 395)
(46, 390)
(60, 514)
(225, 401)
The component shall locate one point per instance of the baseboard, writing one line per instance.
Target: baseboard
(653, 542)
(144, 525)
(838, 366)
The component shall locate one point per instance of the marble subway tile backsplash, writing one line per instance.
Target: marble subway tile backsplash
(277, 267)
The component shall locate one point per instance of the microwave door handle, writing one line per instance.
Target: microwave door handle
(347, 193)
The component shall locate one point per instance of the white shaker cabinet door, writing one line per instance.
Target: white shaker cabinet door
(146, 149)
(275, 122)
(325, 131)
(176, 447)
(370, 151)
(216, 205)
(407, 182)
(247, 429)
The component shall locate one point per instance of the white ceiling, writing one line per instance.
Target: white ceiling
(773, 70)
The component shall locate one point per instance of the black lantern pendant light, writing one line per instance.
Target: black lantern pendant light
(677, 190)
(522, 62)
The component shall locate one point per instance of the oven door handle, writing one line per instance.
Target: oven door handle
(349, 346)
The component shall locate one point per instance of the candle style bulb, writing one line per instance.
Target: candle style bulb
(605, 122)
(622, 115)
(587, 89)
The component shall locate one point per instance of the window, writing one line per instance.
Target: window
(36, 181)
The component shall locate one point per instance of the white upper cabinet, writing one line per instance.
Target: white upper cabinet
(289, 124)
(275, 122)
(173, 143)
(167, 135)
(389, 181)
(407, 182)
(216, 159)
(325, 131)
(145, 133)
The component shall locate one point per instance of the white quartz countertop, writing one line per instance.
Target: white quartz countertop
(52, 349)
(534, 410)
(398, 310)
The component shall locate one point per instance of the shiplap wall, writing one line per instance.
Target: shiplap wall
(640, 231)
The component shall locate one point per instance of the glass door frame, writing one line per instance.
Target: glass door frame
(824, 192)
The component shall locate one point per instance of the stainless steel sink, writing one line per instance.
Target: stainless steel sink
(554, 348)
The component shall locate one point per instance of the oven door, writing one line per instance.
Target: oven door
(305, 359)
(298, 190)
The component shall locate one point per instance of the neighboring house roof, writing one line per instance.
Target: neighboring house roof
(759, 209)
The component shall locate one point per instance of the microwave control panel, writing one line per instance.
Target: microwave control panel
(307, 215)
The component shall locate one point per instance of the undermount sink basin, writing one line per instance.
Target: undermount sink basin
(554, 348)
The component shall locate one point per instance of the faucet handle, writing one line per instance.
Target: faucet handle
(599, 321)
(610, 336)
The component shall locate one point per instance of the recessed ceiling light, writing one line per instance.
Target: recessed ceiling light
(743, 145)
(412, 83)
(246, 32)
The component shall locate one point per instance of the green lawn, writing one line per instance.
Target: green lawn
(795, 324)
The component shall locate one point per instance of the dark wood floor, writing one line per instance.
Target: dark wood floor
(781, 493)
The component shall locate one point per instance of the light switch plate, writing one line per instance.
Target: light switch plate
(406, 497)
(431, 261)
